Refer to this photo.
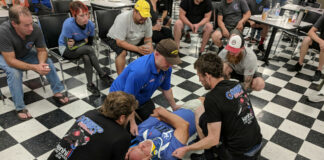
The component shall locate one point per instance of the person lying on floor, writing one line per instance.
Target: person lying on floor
(163, 133)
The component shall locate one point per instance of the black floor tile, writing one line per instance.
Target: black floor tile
(310, 67)
(258, 102)
(281, 76)
(183, 64)
(3, 81)
(270, 66)
(305, 100)
(9, 119)
(189, 86)
(301, 119)
(184, 74)
(315, 138)
(34, 83)
(104, 61)
(6, 140)
(74, 71)
(190, 97)
(314, 86)
(321, 116)
(304, 76)
(41, 143)
(300, 157)
(71, 97)
(272, 88)
(161, 101)
(286, 140)
(283, 101)
(295, 88)
(72, 83)
(94, 100)
(31, 97)
(53, 118)
(270, 119)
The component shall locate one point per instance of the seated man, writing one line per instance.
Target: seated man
(194, 15)
(241, 63)
(227, 124)
(316, 42)
(163, 133)
(128, 31)
(232, 15)
(20, 37)
(256, 8)
(99, 134)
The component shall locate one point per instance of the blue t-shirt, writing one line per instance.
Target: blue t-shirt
(141, 79)
(72, 31)
(46, 3)
(162, 134)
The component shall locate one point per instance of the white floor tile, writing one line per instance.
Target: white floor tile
(276, 81)
(276, 152)
(289, 94)
(277, 109)
(26, 130)
(45, 155)
(61, 129)
(264, 94)
(318, 126)
(306, 110)
(80, 92)
(300, 82)
(40, 107)
(267, 131)
(77, 108)
(311, 151)
(180, 93)
(48, 92)
(294, 129)
(16, 152)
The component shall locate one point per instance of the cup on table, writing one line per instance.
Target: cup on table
(264, 13)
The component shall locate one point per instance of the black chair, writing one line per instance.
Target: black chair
(51, 26)
(103, 24)
(61, 6)
(314, 5)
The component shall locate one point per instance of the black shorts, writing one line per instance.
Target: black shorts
(240, 77)
(113, 45)
(166, 20)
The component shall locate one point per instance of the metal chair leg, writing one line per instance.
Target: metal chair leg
(2, 97)
(42, 82)
(66, 89)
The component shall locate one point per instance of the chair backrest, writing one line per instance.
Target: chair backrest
(3, 19)
(314, 5)
(213, 18)
(51, 26)
(104, 20)
(61, 6)
(310, 17)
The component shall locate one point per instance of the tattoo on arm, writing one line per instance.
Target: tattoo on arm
(248, 82)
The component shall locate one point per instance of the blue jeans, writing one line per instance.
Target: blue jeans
(253, 33)
(14, 78)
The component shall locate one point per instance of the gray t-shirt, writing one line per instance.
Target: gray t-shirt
(257, 8)
(232, 12)
(320, 26)
(247, 66)
(125, 29)
(11, 42)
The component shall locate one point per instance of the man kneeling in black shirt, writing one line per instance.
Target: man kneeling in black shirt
(99, 134)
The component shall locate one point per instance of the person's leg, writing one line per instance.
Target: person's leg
(304, 48)
(217, 37)
(206, 35)
(257, 84)
(178, 27)
(94, 60)
(252, 33)
(14, 80)
(121, 62)
(145, 110)
(199, 111)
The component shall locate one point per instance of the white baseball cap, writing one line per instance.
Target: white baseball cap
(235, 44)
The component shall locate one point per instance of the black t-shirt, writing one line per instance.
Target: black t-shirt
(320, 26)
(155, 15)
(195, 13)
(257, 8)
(93, 136)
(232, 12)
(229, 104)
(162, 5)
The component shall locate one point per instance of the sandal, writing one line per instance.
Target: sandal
(59, 99)
(24, 111)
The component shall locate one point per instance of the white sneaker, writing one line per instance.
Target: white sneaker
(316, 98)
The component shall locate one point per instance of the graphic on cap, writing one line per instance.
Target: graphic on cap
(169, 50)
(143, 8)
(235, 44)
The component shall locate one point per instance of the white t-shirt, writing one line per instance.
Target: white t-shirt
(125, 29)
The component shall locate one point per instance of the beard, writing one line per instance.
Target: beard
(234, 59)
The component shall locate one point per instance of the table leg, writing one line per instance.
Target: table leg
(267, 52)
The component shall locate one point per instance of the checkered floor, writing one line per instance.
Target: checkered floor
(292, 127)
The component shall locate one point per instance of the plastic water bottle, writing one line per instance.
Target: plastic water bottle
(277, 9)
(294, 18)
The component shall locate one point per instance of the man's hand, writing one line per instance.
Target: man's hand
(195, 28)
(225, 33)
(133, 128)
(176, 107)
(144, 49)
(70, 43)
(239, 26)
(252, 24)
(180, 152)
(157, 26)
(42, 69)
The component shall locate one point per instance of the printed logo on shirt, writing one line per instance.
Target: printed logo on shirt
(234, 92)
(244, 110)
(88, 125)
(235, 6)
(152, 80)
(29, 45)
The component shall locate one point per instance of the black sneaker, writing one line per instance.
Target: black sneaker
(261, 47)
(106, 78)
(93, 89)
(297, 67)
(317, 76)
(187, 38)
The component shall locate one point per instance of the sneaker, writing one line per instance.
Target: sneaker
(106, 78)
(297, 67)
(261, 47)
(187, 38)
(93, 89)
(317, 76)
(316, 98)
